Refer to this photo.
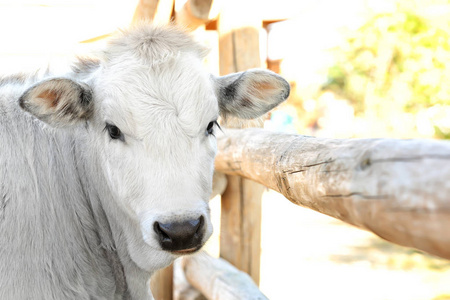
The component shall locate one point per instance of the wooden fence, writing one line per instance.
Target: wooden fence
(399, 190)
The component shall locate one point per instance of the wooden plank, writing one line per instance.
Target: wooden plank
(219, 280)
(156, 11)
(397, 189)
(161, 284)
(240, 235)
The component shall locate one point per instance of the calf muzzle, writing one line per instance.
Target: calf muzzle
(181, 237)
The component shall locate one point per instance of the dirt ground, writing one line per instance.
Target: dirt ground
(307, 255)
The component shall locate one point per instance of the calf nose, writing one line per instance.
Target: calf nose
(181, 237)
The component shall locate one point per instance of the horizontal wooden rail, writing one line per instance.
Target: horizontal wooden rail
(398, 189)
(217, 279)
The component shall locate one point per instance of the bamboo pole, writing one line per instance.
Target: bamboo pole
(217, 279)
(397, 189)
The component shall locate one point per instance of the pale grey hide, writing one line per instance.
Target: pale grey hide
(103, 167)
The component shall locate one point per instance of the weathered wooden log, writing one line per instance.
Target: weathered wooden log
(182, 289)
(219, 184)
(161, 284)
(217, 279)
(398, 189)
(156, 11)
(195, 13)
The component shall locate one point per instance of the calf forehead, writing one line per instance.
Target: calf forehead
(177, 95)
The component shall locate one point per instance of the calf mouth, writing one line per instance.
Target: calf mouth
(186, 251)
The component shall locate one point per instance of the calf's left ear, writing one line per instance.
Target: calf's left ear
(58, 101)
(250, 94)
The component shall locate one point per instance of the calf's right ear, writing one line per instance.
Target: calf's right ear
(58, 101)
(250, 94)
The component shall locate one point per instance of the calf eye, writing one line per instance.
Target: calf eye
(114, 132)
(210, 127)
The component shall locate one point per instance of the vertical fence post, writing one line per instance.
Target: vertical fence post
(161, 284)
(240, 236)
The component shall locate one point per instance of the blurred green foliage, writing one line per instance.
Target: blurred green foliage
(400, 57)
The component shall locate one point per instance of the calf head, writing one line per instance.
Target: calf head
(149, 114)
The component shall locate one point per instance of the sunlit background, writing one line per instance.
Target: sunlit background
(358, 68)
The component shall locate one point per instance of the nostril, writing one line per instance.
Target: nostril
(193, 225)
(201, 221)
(160, 231)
